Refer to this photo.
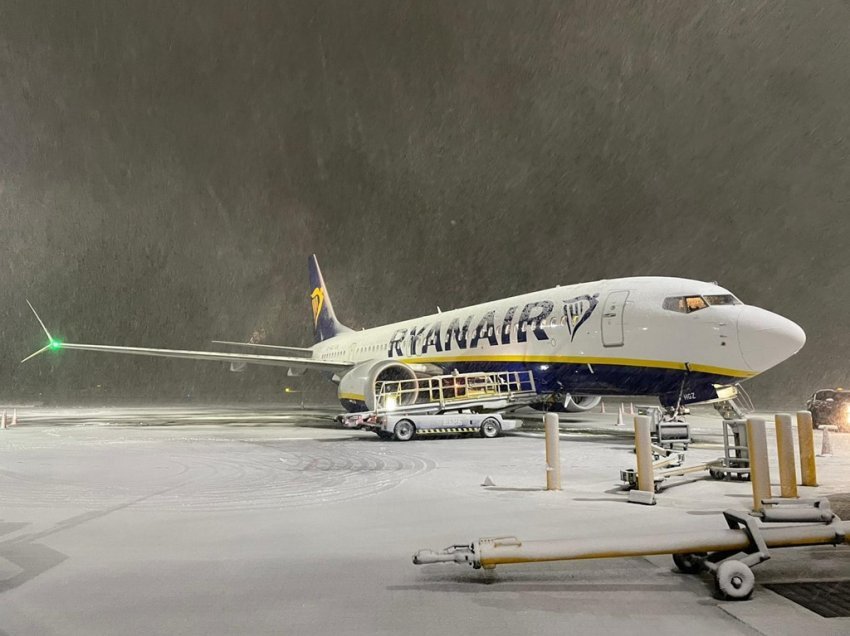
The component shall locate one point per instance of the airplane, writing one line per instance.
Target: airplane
(682, 341)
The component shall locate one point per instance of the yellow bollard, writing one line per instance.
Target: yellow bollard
(806, 437)
(645, 492)
(759, 468)
(553, 452)
(785, 453)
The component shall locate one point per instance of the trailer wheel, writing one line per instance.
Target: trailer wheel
(691, 563)
(404, 430)
(490, 428)
(734, 581)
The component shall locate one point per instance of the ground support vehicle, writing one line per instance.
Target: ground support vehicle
(830, 407)
(668, 432)
(667, 463)
(452, 404)
(403, 427)
(735, 463)
(728, 554)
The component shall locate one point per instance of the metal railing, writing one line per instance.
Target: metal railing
(450, 391)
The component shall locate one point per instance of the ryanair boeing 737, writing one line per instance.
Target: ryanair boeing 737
(681, 340)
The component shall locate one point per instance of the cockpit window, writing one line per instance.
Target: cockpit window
(722, 299)
(685, 304)
(690, 304)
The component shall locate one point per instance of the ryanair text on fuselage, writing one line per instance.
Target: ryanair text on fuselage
(457, 335)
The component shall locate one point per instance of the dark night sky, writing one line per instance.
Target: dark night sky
(165, 169)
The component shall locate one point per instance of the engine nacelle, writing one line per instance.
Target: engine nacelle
(575, 404)
(580, 403)
(357, 387)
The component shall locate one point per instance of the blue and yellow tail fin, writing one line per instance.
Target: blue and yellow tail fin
(325, 323)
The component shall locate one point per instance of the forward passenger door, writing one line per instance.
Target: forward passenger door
(612, 319)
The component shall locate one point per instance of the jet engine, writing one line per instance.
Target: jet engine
(367, 378)
(579, 403)
(571, 404)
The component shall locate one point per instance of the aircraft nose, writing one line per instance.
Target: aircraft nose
(766, 339)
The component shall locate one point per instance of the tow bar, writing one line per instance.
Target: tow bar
(729, 554)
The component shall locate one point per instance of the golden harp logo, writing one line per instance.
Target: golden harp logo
(318, 299)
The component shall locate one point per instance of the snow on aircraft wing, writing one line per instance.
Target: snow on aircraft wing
(251, 358)
(303, 352)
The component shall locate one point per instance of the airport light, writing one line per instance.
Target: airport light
(55, 345)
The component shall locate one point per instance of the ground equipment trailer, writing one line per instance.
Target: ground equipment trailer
(728, 554)
(735, 463)
(668, 432)
(445, 405)
(404, 427)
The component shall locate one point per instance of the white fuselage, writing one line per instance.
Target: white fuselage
(627, 336)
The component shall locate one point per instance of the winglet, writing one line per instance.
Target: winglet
(32, 355)
(37, 317)
(52, 344)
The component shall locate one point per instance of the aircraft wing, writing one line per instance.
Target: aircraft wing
(250, 358)
(302, 352)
